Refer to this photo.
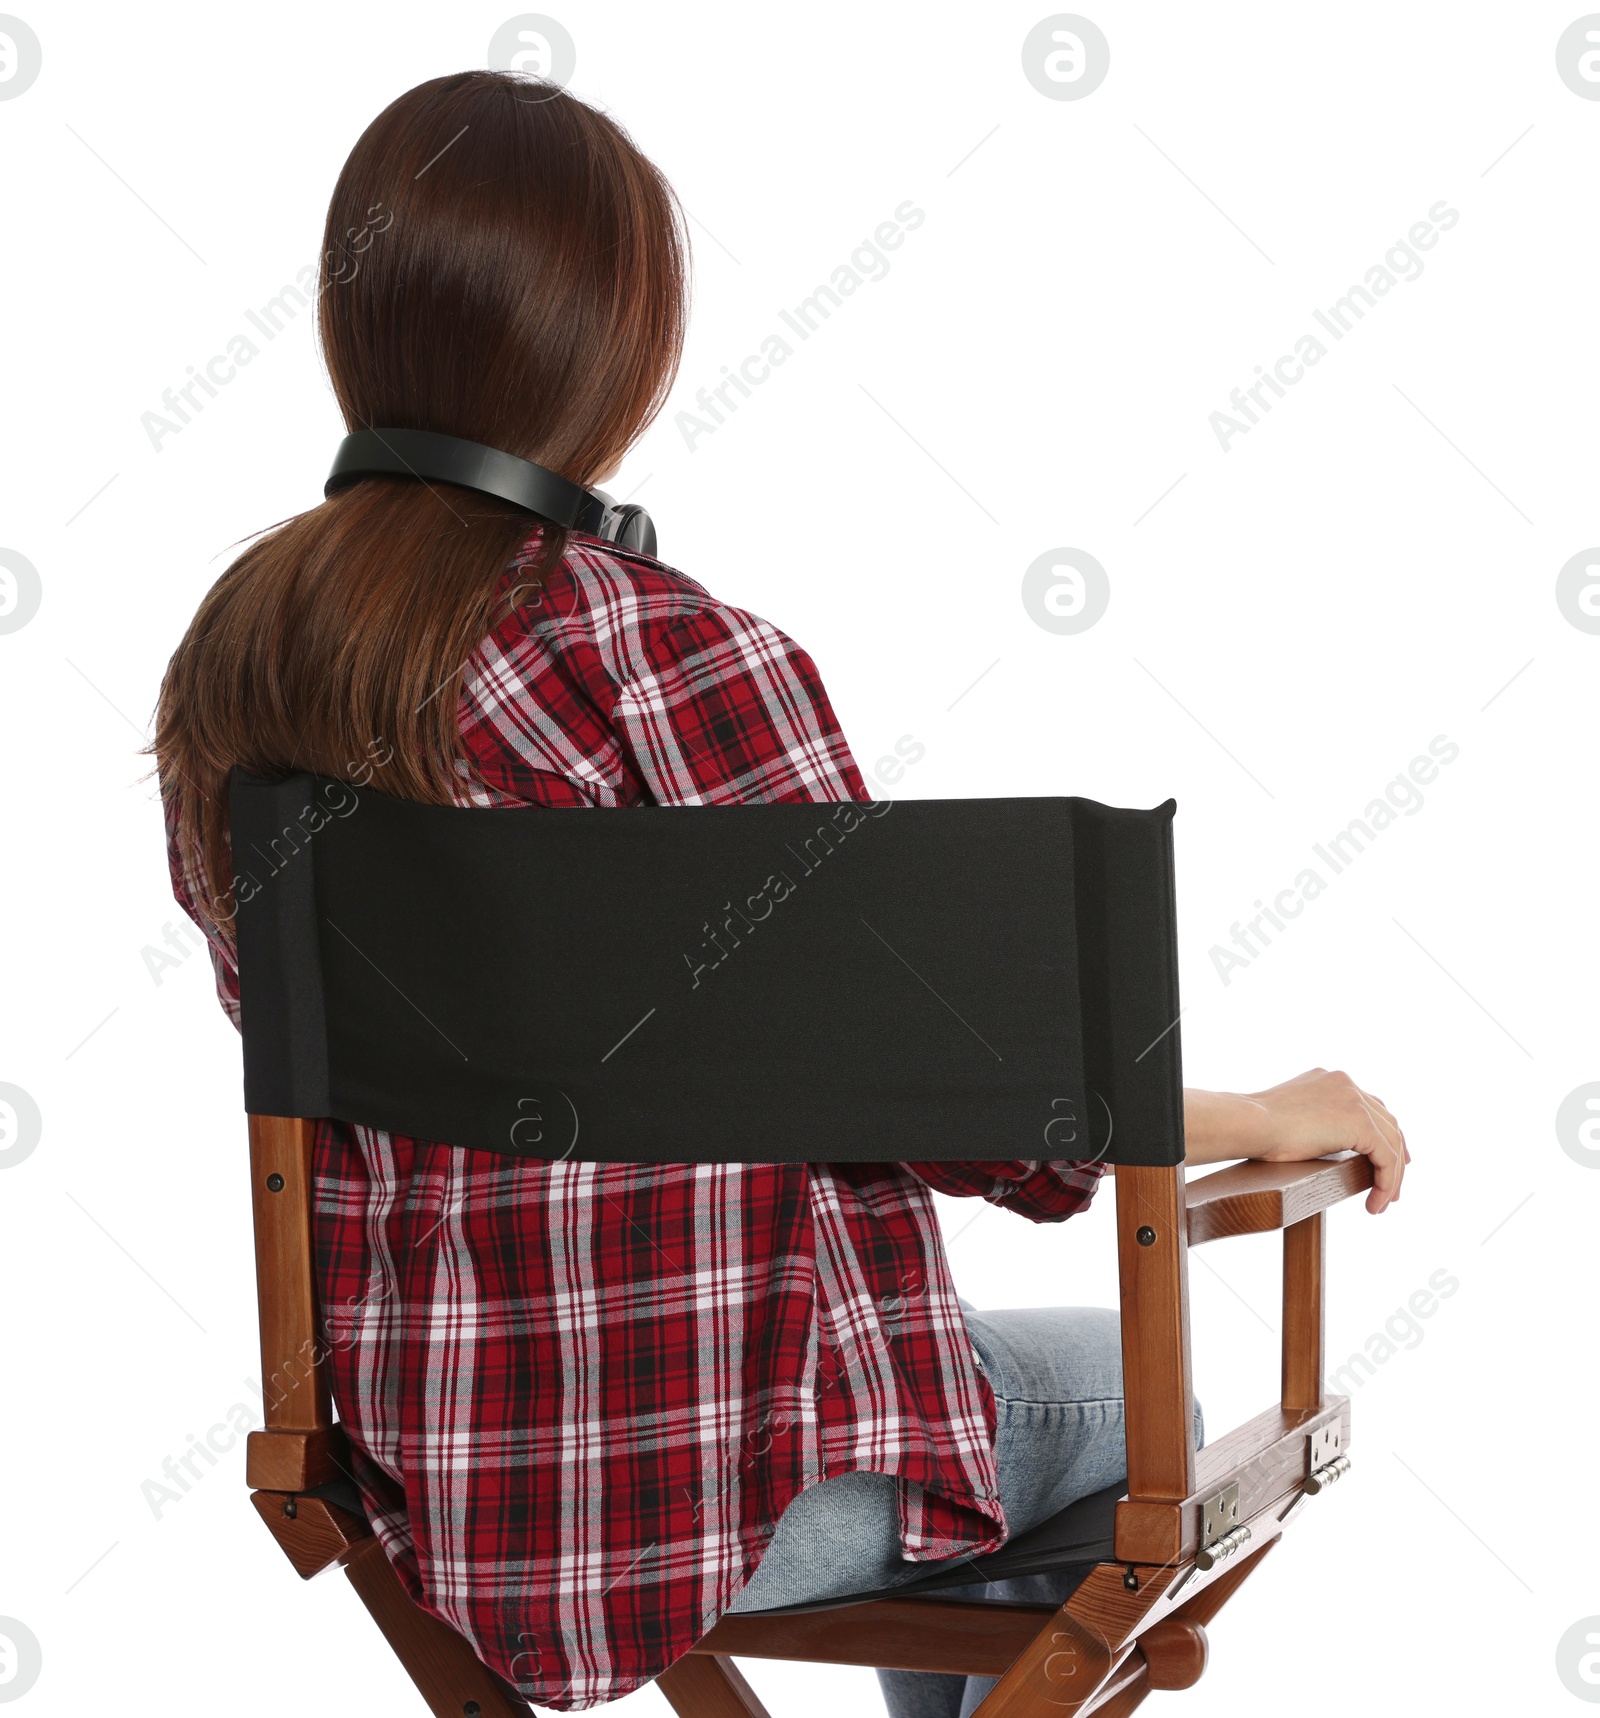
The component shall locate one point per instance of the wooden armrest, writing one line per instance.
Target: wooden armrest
(1250, 1198)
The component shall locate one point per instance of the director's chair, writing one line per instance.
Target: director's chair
(985, 979)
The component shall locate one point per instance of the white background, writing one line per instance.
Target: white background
(1373, 565)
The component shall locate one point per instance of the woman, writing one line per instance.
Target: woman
(589, 1402)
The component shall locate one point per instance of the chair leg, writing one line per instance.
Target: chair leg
(1125, 1691)
(1085, 1645)
(700, 1686)
(449, 1675)
(1204, 1606)
(1078, 1654)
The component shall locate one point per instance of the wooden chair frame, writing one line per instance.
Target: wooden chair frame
(1191, 1529)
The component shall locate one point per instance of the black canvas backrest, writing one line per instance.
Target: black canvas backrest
(911, 980)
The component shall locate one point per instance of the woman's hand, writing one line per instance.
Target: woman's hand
(1309, 1116)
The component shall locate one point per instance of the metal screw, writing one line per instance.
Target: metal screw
(471, 1709)
(291, 1508)
(1146, 1236)
(1130, 1579)
(274, 1183)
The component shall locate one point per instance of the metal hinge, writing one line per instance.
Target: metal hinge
(1219, 1515)
(1220, 1532)
(1326, 1461)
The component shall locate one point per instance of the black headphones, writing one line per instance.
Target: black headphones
(448, 459)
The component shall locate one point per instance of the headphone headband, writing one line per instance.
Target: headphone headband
(426, 454)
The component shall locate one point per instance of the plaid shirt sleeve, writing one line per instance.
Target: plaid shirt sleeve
(1048, 1192)
(188, 893)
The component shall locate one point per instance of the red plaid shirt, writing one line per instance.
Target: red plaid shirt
(580, 1395)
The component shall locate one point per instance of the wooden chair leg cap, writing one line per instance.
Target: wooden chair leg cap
(1176, 1653)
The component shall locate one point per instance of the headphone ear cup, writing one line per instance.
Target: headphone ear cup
(632, 528)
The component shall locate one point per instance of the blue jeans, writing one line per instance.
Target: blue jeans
(1057, 1379)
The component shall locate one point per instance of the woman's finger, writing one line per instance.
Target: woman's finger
(1383, 1143)
(1388, 1165)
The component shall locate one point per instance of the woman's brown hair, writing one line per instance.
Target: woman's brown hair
(499, 263)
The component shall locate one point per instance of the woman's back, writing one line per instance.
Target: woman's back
(580, 1395)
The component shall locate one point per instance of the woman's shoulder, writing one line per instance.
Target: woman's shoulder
(631, 680)
(623, 604)
(598, 583)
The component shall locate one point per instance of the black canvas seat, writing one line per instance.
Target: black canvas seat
(1075, 1538)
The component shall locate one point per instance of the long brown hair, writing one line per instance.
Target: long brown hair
(500, 263)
